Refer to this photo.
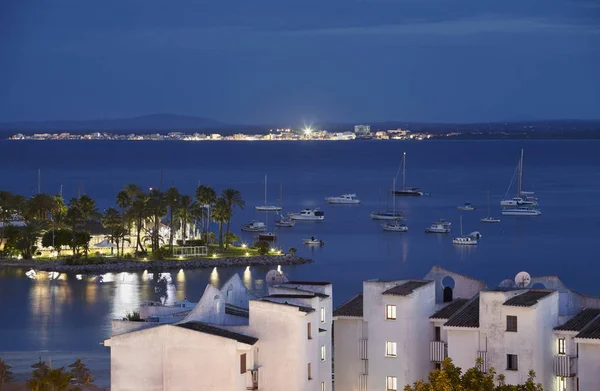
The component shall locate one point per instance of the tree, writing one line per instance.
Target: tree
(262, 247)
(221, 214)
(123, 202)
(138, 213)
(12, 234)
(6, 210)
(157, 209)
(58, 211)
(56, 238)
(112, 221)
(172, 198)
(47, 379)
(231, 238)
(6, 374)
(28, 238)
(206, 197)
(75, 220)
(188, 210)
(81, 373)
(233, 199)
(39, 207)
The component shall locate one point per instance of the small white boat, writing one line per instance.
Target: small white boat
(490, 220)
(343, 199)
(266, 207)
(387, 215)
(467, 207)
(313, 242)
(521, 211)
(308, 215)
(254, 226)
(469, 240)
(394, 227)
(284, 221)
(439, 227)
(406, 191)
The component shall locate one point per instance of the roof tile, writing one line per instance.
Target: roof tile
(529, 298)
(579, 321)
(591, 331)
(450, 309)
(205, 328)
(468, 316)
(406, 288)
(353, 307)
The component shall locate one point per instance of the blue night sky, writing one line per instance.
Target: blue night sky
(267, 61)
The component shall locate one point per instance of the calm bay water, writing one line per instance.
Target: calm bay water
(74, 314)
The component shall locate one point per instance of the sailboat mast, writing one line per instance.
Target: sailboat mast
(265, 189)
(461, 233)
(394, 198)
(520, 184)
(39, 180)
(489, 214)
(403, 171)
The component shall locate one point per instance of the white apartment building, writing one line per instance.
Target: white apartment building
(229, 341)
(396, 332)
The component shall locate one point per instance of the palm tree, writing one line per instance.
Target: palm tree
(6, 210)
(39, 207)
(172, 198)
(233, 198)
(138, 212)
(112, 221)
(29, 237)
(221, 214)
(206, 197)
(58, 211)
(123, 202)
(188, 210)
(75, 219)
(157, 207)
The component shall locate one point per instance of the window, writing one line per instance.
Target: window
(309, 371)
(323, 355)
(390, 312)
(391, 383)
(438, 333)
(322, 315)
(390, 349)
(243, 363)
(561, 346)
(322, 386)
(512, 362)
(438, 365)
(562, 384)
(511, 323)
(309, 330)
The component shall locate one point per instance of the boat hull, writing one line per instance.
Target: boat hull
(267, 208)
(464, 241)
(437, 230)
(348, 202)
(464, 209)
(287, 224)
(408, 193)
(521, 212)
(310, 242)
(394, 228)
(386, 216)
(490, 220)
(267, 237)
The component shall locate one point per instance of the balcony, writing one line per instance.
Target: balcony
(252, 380)
(438, 351)
(482, 360)
(565, 366)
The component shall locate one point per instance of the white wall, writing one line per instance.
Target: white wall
(348, 333)
(463, 345)
(589, 365)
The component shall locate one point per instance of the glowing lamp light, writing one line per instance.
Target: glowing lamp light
(247, 254)
(214, 255)
(244, 245)
(279, 268)
(145, 259)
(272, 250)
(278, 252)
(308, 130)
(181, 257)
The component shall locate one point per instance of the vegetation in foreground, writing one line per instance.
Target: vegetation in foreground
(45, 378)
(451, 378)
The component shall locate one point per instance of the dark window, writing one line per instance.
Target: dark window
(309, 371)
(243, 363)
(438, 365)
(309, 330)
(447, 294)
(561, 346)
(512, 362)
(438, 334)
(511, 323)
(577, 345)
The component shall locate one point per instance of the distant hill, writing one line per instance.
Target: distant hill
(154, 122)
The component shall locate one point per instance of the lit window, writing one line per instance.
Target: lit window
(322, 386)
(562, 384)
(391, 383)
(561, 346)
(512, 362)
(323, 355)
(322, 315)
(390, 312)
(390, 349)
(511, 323)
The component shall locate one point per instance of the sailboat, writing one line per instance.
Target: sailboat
(387, 215)
(267, 235)
(281, 220)
(521, 198)
(406, 191)
(469, 240)
(394, 226)
(489, 219)
(266, 207)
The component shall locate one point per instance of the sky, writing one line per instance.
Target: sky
(291, 61)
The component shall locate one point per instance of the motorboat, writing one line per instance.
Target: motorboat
(266, 207)
(308, 215)
(407, 191)
(490, 220)
(254, 226)
(521, 211)
(343, 199)
(394, 227)
(313, 242)
(519, 201)
(466, 207)
(439, 227)
(468, 240)
(267, 237)
(397, 215)
(284, 221)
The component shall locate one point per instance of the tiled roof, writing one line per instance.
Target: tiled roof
(308, 283)
(591, 331)
(300, 307)
(231, 309)
(291, 296)
(468, 316)
(406, 288)
(204, 328)
(353, 307)
(529, 298)
(306, 291)
(579, 321)
(450, 309)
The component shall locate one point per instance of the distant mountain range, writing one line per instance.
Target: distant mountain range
(172, 122)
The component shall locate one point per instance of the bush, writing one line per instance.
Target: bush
(192, 242)
(133, 316)
(262, 247)
(161, 253)
(292, 250)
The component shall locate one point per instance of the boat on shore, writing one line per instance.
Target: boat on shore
(254, 226)
(466, 207)
(349, 199)
(266, 207)
(406, 191)
(439, 227)
(308, 215)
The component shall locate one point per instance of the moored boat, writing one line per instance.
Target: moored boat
(343, 199)
(254, 226)
(313, 242)
(467, 207)
(439, 227)
(521, 211)
(407, 191)
(266, 207)
(284, 221)
(308, 215)
(397, 215)
(489, 219)
(394, 227)
(267, 236)
(468, 240)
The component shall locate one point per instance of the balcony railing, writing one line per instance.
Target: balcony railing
(438, 351)
(362, 349)
(565, 366)
(252, 382)
(482, 355)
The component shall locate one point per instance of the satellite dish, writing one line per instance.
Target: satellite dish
(275, 277)
(522, 279)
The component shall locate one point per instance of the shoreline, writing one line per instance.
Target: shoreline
(135, 265)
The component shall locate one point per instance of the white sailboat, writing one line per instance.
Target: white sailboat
(387, 215)
(394, 226)
(521, 198)
(406, 191)
(489, 219)
(469, 240)
(266, 207)
(281, 220)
